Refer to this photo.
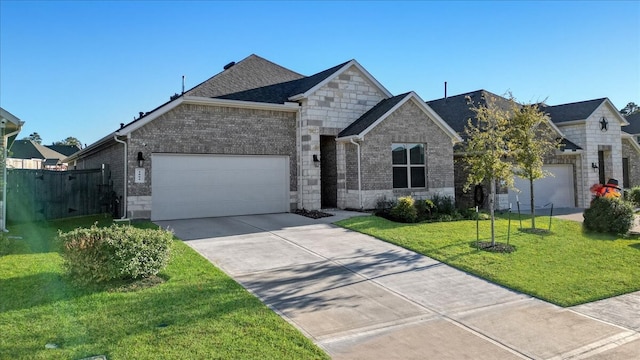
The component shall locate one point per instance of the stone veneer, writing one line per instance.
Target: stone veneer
(630, 152)
(591, 139)
(327, 111)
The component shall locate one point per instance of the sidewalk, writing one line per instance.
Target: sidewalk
(359, 298)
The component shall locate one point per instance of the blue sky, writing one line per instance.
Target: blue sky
(81, 68)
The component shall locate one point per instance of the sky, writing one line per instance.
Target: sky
(80, 68)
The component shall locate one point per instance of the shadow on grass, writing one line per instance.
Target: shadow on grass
(34, 290)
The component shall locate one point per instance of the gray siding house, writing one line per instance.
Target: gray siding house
(259, 138)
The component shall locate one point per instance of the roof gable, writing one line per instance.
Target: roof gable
(572, 111)
(386, 107)
(281, 92)
(457, 110)
(249, 73)
(29, 149)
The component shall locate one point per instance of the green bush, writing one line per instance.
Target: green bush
(633, 195)
(117, 252)
(405, 211)
(607, 215)
(444, 205)
(424, 209)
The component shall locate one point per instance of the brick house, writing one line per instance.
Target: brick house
(594, 148)
(259, 138)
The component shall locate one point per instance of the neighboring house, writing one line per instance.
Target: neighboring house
(590, 152)
(28, 154)
(259, 138)
(10, 126)
(631, 158)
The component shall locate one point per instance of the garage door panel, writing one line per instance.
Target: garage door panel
(557, 188)
(191, 186)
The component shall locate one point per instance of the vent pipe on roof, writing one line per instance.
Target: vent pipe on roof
(183, 84)
(445, 90)
(229, 65)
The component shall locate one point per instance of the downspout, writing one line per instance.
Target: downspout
(299, 162)
(4, 177)
(359, 174)
(126, 180)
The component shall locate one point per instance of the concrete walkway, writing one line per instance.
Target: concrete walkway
(361, 298)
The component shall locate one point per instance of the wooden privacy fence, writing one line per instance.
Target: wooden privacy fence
(35, 195)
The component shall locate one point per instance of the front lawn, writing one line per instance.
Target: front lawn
(567, 267)
(197, 313)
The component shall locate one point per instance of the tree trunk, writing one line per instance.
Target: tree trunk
(492, 205)
(533, 207)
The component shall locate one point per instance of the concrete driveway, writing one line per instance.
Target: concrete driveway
(361, 298)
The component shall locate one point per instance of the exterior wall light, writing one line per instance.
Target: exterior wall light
(316, 160)
(594, 166)
(140, 159)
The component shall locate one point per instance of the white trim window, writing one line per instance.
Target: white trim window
(409, 166)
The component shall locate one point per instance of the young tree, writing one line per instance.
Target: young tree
(487, 150)
(532, 138)
(34, 137)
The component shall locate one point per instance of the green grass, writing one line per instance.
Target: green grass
(197, 313)
(567, 267)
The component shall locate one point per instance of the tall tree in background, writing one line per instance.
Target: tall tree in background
(487, 150)
(34, 137)
(630, 108)
(532, 138)
(69, 141)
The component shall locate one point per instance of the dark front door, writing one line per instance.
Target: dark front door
(328, 172)
(625, 173)
(601, 167)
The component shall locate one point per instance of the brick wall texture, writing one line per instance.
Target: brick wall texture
(631, 153)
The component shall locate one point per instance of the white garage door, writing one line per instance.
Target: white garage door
(557, 189)
(195, 186)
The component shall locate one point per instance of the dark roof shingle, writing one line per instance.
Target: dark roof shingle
(280, 93)
(371, 116)
(572, 111)
(634, 124)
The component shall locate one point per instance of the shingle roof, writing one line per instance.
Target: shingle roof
(280, 93)
(249, 73)
(456, 110)
(65, 150)
(28, 149)
(572, 111)
(568, 145)
(634, 124)
(371, 116)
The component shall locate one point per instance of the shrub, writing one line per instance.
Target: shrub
(405, 210)
(444, 205)
(607, 215)
(97, 255)
(633, 195)
(424, 209)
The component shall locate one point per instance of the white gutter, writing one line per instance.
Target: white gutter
(359, 173)
(126, 180)
(3, 224)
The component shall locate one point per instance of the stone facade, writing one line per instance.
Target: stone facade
(589, 136)
(630, 152)
(326, 111)
(203, 129)
(408, 124)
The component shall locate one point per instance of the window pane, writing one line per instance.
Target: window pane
(400, 178)
(417, 177)
(417, 154)
(399, 154)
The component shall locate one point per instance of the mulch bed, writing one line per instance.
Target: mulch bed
(314, 214)
(497, 247)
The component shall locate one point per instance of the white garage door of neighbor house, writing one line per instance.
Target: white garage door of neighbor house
(557, 189)
(196, 186)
